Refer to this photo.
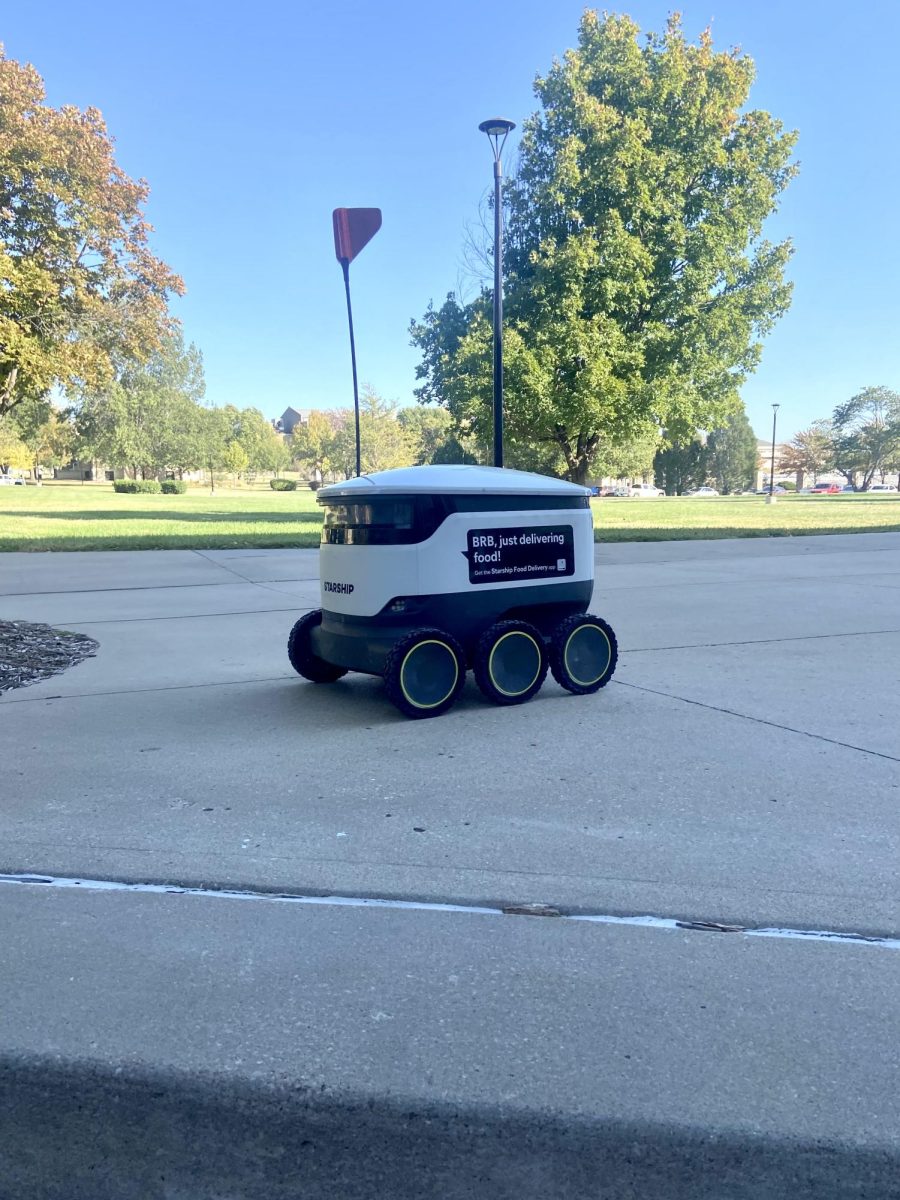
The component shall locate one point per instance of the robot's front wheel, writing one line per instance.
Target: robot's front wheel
(300, 652)
(583, 654)
(424, 673)
(510, 662)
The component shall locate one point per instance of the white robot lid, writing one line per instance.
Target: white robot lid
(454, 479)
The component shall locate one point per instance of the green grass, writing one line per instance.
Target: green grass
(93, 517)
(673, 518)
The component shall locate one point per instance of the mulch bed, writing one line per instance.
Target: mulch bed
(31, 652)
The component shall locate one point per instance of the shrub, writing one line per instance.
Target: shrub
(132, 487)
(173, 487)
(283, 485)
(788, 484)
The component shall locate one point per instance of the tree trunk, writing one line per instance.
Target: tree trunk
(7, 403)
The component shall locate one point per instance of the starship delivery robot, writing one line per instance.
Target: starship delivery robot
(427, 572)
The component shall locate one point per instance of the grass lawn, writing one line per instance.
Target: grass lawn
(71, 516)
(679, 518)
(74, 516)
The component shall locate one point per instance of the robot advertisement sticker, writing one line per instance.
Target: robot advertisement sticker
(513, 555)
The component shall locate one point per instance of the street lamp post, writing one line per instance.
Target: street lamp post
(771, 497)
(498, 130)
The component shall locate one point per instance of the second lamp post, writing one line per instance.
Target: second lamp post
(498, 129)
(771, 496)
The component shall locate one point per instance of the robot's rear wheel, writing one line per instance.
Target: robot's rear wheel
(583, 654)
(300, 652)
(510, 662)
(424, 673)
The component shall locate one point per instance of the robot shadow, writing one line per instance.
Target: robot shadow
(360, 701)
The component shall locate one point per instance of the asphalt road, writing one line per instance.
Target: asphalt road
(743, 769)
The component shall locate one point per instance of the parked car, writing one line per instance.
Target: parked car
(825, 489)
(703, 491)
(848, 487)
(882, 487)
(777, 490)
(645, 490)
(11, 481)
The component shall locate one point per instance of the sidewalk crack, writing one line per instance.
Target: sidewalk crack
(730, 712)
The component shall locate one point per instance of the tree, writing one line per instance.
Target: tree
(166, 392)
(146, 418)
(384, 442)
(810, 451)
(234, 458)
(13, 451)
(731, 454)
(212, 431)
(452, 451)
(313, 442)
(259, 440)
(427, 431)
(280, 458)
(681, 467)
(638, 281)
(891, 464)
(630, 458)
(46, 431)
(109, 428)
(866, 435)
(79, 287)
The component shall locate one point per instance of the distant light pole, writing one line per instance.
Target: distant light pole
(771, 497)
(498, 129)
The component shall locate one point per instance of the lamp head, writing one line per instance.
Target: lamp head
(497, 126)
(497, 129)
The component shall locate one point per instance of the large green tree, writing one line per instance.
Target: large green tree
(147, 418)
(732, 454)
(866, 435)
(639, 283)
(79, 286)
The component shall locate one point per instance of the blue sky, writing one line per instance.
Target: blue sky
(251, 122)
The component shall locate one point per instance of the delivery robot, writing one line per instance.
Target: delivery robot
(427, 572)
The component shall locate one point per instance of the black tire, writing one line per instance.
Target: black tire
(510, 662)
(300, 652)
(583, 662)
(424, 673)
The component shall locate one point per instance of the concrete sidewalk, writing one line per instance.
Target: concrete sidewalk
(742, 769)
